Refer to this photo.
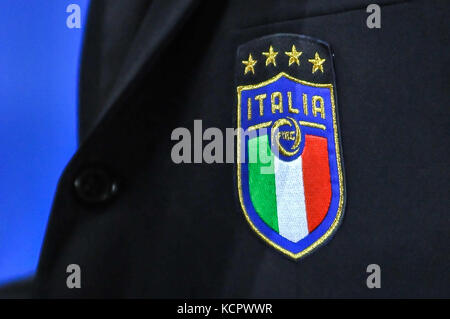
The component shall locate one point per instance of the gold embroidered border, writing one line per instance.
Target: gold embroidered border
(335, 223)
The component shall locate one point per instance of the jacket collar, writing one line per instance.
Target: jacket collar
(159, 26)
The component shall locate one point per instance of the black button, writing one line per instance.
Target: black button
(95, 185)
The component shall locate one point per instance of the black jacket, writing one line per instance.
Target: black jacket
(140, 225)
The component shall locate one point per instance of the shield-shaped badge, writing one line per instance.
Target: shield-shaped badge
(289, 173)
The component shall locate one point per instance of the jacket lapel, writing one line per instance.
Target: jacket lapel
(161, 23)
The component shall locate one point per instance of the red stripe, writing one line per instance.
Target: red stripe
(316, 179)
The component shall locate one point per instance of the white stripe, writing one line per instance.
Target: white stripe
(292, 222)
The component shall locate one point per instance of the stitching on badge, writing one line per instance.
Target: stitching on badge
(339, 212)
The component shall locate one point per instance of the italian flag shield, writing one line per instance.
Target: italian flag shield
(289, 173)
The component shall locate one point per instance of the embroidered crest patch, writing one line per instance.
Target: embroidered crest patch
(289, 174)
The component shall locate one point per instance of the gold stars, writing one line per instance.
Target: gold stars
(270, 56)
(249, 64)
(293, 55)
(317, 63)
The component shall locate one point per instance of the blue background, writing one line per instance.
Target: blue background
(39, 60)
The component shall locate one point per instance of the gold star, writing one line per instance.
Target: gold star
(249, 65)
(317, 63)
(293, 55)
(270, 56)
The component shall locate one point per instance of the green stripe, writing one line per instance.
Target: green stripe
(262, 186)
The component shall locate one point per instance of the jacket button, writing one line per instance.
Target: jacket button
(95, 185)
